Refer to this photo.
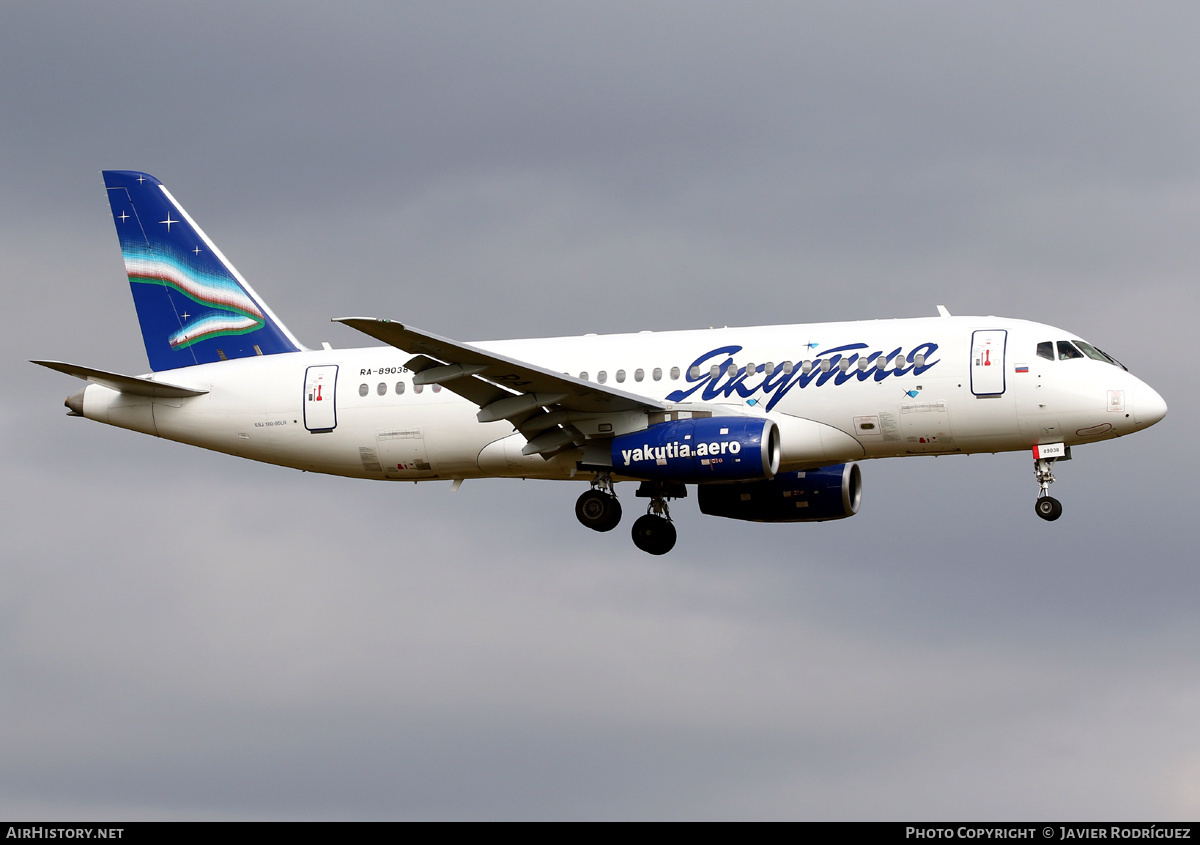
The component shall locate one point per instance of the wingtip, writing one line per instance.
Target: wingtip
(351, 320)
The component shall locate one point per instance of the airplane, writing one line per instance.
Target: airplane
(768, 423)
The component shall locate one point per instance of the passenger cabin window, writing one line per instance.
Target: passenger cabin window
(657, 374)
(1046, 350)
(602, 376)
(417, 388)
(620, 376)
(694, 372)
(1066, 351)
(399, 387)
(583, 376)
(639, 374)
(381, 389)
(675, 374)
(363, 390)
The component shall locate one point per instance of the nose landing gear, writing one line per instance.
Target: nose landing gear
(1046, 506)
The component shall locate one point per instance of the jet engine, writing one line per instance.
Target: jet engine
(700, 450)
(814, 496)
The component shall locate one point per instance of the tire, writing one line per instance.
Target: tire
(1048, 508)
(654, 535)
(598, 511)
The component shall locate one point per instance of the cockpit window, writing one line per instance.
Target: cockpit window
(1096, 354)
(1111, 358)
(1092, 352)
(1066, 351)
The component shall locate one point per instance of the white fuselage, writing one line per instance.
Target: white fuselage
(962, 384)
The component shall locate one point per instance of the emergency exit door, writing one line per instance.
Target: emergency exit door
(987, 361)
(320, 391)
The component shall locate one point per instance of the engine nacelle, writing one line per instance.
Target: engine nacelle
(699, 450)
(814, 496)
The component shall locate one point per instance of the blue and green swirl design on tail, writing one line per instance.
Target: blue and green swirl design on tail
(232, 311)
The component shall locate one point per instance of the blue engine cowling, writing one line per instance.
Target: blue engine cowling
(814, 496)
(699, 450)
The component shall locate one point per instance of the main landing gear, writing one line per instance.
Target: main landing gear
(653, 533)
(598, 508)
(1046, 506)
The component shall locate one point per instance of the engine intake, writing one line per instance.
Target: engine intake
(832, 492)
(700, 450)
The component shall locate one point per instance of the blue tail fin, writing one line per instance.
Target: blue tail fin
(193, 306)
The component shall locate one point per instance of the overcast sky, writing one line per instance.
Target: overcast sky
(186, 635)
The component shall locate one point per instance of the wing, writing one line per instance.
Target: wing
(542, 404)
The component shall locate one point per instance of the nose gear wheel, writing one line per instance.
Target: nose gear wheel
(1046, 506)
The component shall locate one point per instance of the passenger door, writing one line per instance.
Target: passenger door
(320, 402)
(987, 362)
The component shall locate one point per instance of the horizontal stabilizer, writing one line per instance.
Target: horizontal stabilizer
(123, 384)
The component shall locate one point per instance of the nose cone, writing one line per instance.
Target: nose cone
(1148, 406)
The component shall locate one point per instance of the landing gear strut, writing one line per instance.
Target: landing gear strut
(654, 533)
(1046, 506)
(598, 508)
